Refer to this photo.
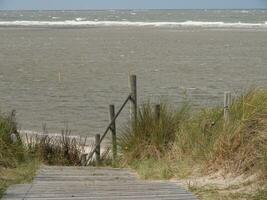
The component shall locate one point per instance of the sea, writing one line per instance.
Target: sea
(64, 68)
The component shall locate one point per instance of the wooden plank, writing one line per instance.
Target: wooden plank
(56, 183)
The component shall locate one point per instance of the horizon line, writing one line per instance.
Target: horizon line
(133, 9)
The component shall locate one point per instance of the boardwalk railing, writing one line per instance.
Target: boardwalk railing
(132, 98)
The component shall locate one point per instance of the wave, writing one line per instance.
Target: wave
(80, 19)
(129, 23)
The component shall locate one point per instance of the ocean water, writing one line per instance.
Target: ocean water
(66, 67)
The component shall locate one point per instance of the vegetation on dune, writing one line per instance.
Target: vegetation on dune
(22, 173)
(57, 150)
(177, 143)
(213, 193)
(184, 144)
(11, 153)
(238, 147)
(150, 137)
(16, 163)
(19, 160)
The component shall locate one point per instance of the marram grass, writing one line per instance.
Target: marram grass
(19, 161)
(150, 137)
(16, 163)
(11, 153)
(184, 143)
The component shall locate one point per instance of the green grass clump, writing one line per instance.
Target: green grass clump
(150, 137)
(238, 147)
(213, 193)
(147, 170)
(11, 152)
(20, 159)
(184, 143)
(16, 163)
(261, 194)
(22, 173)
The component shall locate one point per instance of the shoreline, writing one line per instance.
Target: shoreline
(85, 143)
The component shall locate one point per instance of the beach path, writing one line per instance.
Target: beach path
(63, 183)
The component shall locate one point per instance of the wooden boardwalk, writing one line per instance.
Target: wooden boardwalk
(63, 183)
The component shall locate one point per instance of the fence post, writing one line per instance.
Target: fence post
(157, 111)
(97, 151)
(227, 103)
(133, 108)
(113, 132)
(83, 159)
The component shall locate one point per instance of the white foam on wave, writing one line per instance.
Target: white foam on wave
(80, 19)
(29, 132)
(129, 23)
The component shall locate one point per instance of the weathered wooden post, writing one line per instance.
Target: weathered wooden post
(113, 132)
(97, 151)
(227, 103)
(133, 108)
(83, 159)
(157, 111)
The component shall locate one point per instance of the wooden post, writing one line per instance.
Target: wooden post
(113, 132)
(133, 108)
(227, 103)
(83, 159)
(157, 111)
(97, 151)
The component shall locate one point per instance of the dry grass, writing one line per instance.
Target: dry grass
(213, 193)
(238, 148)
(63, 149)
(193, 144)
(11, 152)
(22, 173)
(16, 163)
(150, 137)
(19, 161)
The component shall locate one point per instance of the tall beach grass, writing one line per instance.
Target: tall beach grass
(20, 159)
(184, 143)
(12, 151)
(16, 163)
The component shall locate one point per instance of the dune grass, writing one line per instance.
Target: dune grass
(179, 144)
(57, 150)
(213, 193)
(11, 152)
(238, 147)
(150, 137)
(24, 172)
(19, 160)
(16, 163)
(183, 143)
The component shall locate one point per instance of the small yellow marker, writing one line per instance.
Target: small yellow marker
(59, 77)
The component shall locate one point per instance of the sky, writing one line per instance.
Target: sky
(130, 4)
